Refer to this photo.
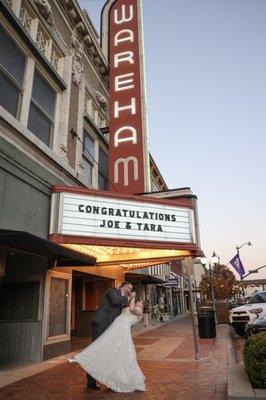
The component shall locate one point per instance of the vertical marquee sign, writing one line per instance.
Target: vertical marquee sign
(122, 43)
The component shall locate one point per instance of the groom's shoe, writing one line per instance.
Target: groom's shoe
(93, 385)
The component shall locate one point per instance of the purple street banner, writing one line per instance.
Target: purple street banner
(237, 264)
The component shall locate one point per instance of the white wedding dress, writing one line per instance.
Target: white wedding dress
(111, 359)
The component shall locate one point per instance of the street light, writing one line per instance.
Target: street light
(252, 271)
(213, 261)
(243, 244)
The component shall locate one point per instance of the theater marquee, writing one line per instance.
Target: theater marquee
(100, 217)
(118, 229)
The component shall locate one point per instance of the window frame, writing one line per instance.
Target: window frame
(17, 86)
(40, 108)
(9, 77)
(99, 170)
(36, 282)
(54, 339)
(257, 299)
(31, 64)
(92, 111)
(91, 159)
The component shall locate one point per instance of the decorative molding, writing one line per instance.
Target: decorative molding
(84, 32)
(80, 26)
(91, 50)
(77, 68)
(87, 39)
(72, 13)
(46, 10)
(18, 27)
(74, 38)
(63, 149)
(77, 52)
(101, 99)
(97, 60)
(102, 70)
(73, 133)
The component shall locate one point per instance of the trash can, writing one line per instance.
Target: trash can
(206, 322)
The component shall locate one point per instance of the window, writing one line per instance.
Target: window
(57, 306)
(44, 41)
(12, 66)
(258, 298)
(19, 301)
(91, 110)
(92, 293)
(41, 115)
(88, 156)
(103, 170)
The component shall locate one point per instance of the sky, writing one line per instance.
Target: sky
(205, 65)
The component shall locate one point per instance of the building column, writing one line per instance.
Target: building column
(62, 112)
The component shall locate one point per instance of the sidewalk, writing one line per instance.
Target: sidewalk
(166, 356)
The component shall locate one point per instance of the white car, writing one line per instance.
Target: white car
(241, 315)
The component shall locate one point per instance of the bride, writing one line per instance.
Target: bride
(111, 359)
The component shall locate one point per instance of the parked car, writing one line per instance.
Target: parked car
(240, 316)
(256, 326)
(231, 303)
(247, 298)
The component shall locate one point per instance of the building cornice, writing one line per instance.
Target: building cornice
(87, 34)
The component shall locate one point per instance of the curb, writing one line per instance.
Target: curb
(239, 386)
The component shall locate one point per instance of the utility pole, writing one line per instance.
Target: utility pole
(189, 269)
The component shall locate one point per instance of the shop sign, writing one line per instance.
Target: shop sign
(171, 282)
(128, 152)
(119, 218)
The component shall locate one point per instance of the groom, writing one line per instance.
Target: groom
(110, 307)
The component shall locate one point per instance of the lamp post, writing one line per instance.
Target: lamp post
(213, 261)
(242, 277)
(188, 270)
(252, 271)
(243, 244)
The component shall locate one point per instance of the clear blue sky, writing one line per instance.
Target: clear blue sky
(206, 102)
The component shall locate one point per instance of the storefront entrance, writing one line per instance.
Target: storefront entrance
(87, 291)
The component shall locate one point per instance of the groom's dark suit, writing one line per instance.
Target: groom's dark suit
(110, 307)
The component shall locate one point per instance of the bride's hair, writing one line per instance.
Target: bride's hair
(125, 283)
